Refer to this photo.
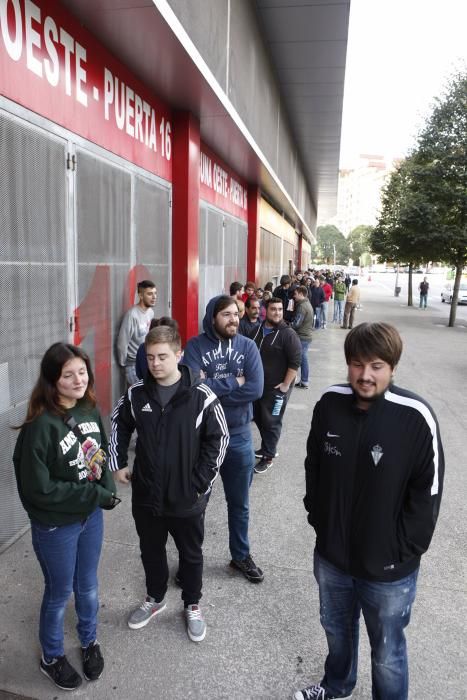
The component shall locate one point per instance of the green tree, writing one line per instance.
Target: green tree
(331, 245)
(358, 240)
(424, 204)
(440, 177)
(400, 234)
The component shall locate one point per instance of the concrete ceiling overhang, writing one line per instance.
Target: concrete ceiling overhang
(144, 33)
(307, 41)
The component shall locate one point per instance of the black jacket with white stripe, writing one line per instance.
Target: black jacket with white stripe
(179, 448)
(373, 481)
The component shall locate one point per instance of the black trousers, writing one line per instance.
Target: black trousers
(188, 535)
(269, 426)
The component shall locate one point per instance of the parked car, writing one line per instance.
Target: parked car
(446, 294)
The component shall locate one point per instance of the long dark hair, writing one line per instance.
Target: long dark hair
(44, 396)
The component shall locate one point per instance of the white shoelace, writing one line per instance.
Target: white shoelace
(194, 614)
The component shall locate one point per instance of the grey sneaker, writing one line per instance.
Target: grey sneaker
(141, 616)
(317, 692)
(195, 624)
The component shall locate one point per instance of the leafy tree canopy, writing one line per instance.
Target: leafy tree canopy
(359, 242)
(329, 238)
(424, 205)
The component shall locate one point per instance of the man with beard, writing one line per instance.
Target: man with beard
(134, 328)
(281, 354)
(230, 365)
(250, 321)
(374, 476)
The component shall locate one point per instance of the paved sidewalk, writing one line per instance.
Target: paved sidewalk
(264, 641)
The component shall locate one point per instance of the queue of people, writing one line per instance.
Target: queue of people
(192, 419)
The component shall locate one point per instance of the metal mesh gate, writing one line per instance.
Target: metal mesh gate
(222, 254)
(54, 265)
(33, 282)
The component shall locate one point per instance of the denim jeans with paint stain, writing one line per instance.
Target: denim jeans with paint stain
(386, 608)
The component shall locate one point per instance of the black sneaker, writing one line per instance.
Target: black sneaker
(93, 661)
(259, 454)
(62, 673)
(263, 465)
(249, 569)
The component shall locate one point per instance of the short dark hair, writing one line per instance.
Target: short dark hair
(235, 287)
(250, 285)
(369, 340)
(301, 289)
(222, 303)
(355, 281)
(273, 300)
(250, 300)
(146, 284)
(163, 321)
(164, 334)
(285, 279)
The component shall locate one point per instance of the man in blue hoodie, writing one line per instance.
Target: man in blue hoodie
(230, 365)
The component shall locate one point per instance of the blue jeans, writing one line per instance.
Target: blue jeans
(324, 313)
(386, 608)
(304, 367)
(237, 474)
(69, 556)
(423, 300)
(338, 310)
(317, 310)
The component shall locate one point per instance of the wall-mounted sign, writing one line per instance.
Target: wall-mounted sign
(51, 65)
(220, 186)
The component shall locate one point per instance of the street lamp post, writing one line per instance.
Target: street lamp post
(397, 289)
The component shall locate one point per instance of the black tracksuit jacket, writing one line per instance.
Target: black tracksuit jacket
(373, 482)
(179, 448)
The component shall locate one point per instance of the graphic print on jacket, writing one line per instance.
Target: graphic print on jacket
(222, 361)
(51, 470)
(179, 447)
(373, 481)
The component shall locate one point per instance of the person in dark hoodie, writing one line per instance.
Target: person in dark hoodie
(182, 439)
(317, 297)
(281, 354)
(231, 367)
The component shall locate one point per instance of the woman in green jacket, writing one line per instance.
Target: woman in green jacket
(63, 483)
